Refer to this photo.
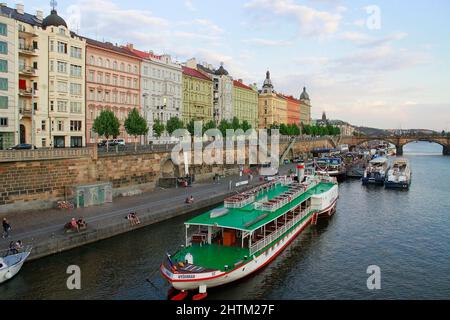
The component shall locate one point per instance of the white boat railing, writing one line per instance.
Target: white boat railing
(275, 235)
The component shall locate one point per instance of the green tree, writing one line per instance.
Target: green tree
(284, 130)
(107, 125)
(245, 126)
(158, 128)
(235, 124)
(173, 124)
(223, 126)
(190, 126)
(135, 125)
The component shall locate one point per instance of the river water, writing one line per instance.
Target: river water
(405, 233)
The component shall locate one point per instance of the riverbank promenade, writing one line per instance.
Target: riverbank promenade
(44, 229)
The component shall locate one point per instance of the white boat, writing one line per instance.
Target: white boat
(376, 171)
(399, 176)
(11, 263)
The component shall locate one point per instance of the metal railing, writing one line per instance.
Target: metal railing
(275, 235)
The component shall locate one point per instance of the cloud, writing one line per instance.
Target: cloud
(311, 22)
(190, 5)
(268, 42)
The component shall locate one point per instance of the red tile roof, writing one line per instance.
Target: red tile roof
(143, 54)
(291, 98)
(194, 73)
(241, 85)
(111, 47)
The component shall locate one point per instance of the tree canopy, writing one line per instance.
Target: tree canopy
(158, 128)
(173, 124)
(135, 125)
(106, 124)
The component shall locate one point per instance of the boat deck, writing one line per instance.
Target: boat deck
(213, 256)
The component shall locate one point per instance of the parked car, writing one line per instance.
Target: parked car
(120, 142)
(23, 146)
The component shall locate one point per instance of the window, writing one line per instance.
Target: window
(62, 47)
(115, 65)
(136, 69)
(62, 86)
(75, 52)
(62, 106)
(44, 142)
(60, 125)
(3, 29)
(100, 62)
(3, 102)
(52, 65)
(122, 81)
(52, 103)
(135, 83)
(75, 71)
(4, 84)
(92, 94)
(3, 122)
(43, 125)
(62, 31)
(122, 67)
(129, 68)
(75, 125)
(107, 78)
(75, 107)
(146, 71)
(129, 82)
(3, 65)
(99, 77)
(115, 80)
(52, 46)
(62, 67)
(3, 47)
(75, 89)
(108, 64)
(91, 76)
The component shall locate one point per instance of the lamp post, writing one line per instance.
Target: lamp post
(145, 95)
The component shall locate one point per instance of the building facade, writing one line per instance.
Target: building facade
(197, 96)
(245, 103)
(161, 88)
(305, 107)
(48, 62)
(293, 110)
(112, 83)
(9, 111)
(272, 107)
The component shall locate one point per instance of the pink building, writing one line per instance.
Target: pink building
(112, 83)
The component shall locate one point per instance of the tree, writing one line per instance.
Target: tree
(173, 124)
(223, 126)
(107, 125)
(135, 125)
(235, 123)
(245, 126)
(190, 126)
(158, 128)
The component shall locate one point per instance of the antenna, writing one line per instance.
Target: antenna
(53, 4)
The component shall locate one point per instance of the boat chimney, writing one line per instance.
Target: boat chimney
(300, 171)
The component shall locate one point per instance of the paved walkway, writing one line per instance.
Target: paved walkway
(35, 226)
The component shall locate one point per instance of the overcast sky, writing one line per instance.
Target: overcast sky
(391, 72)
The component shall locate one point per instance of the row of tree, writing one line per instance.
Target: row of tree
(108, 125)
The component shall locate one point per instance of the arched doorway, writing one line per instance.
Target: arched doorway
(22, 134)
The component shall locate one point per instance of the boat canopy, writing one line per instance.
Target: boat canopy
(248, 218)
(379, 160)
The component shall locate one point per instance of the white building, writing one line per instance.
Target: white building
(161, 83)
(222, 89)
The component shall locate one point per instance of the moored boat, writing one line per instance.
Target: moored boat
(12, 262)
(375, 172)
(248, 231)
(399, 176)
(332, 166)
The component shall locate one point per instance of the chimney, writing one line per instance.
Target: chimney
(39, 15)
(130, 46)
(20, 8)
(240, 80)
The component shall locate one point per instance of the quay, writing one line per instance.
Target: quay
(44, 229)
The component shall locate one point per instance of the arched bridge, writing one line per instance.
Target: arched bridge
(398, 141)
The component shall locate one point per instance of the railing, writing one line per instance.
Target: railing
(25, 110)
(275, 235)
(28, 49)
(44, 154)
(27, 70)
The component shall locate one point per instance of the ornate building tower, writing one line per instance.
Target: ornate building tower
(305, 107)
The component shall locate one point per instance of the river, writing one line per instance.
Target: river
(405, 233)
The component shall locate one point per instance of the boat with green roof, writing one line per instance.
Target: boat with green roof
(248, 231)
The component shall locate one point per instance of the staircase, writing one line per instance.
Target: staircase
(286, 152)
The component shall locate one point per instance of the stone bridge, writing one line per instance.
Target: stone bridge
(398, 141)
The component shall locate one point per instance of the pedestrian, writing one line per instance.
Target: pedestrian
(6, 228)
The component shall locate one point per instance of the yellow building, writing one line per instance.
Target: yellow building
(245, 103)
(305, 108)
(272, 106)
(197, 96)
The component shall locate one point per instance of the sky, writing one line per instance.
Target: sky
(382, 64)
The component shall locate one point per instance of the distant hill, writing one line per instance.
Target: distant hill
(386, 132)
(372, 131)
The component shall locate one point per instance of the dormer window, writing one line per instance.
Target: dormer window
(62, 31)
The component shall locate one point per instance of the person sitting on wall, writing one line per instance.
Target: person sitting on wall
(81, 223)
(74, 224)
(135, 218)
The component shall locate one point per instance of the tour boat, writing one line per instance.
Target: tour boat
(11, 263)
(331, 166)
(247, 232)
(399, 176)
(375, 172)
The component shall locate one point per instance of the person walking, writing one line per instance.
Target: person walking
(6, 228)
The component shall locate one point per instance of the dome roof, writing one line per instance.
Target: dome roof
(53, 20)
(304, 95)
(267, 81)
(221, 71)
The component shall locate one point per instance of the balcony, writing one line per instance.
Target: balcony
(27, 71)
(28, 92)
(29, 33)
(30, 51)
(25, 111)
